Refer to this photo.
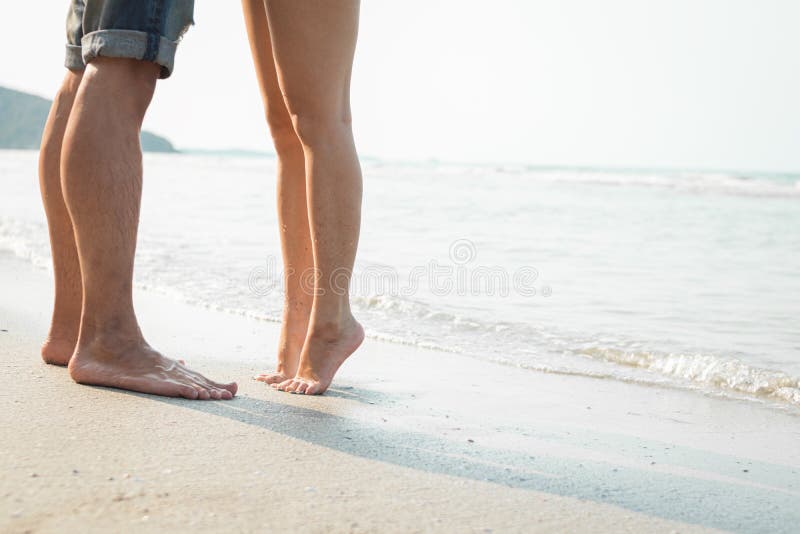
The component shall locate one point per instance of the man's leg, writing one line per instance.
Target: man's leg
(295, 234)
(101, 172)
(313, 44)
(63, 335)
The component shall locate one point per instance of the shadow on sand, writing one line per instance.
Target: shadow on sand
(763, 499)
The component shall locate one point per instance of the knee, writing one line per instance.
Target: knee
(321, 128)
(284, 138)
(53, 134)
(128, 83)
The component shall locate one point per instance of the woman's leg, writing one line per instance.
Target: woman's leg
(313, 43)
(291, 193)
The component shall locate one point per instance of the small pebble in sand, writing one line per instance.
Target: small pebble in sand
(34, 475)
(745, 470)
(110, 478)
(126, 475)
(75, 471)
(470, 440)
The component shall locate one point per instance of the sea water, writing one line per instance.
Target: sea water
(667, 278)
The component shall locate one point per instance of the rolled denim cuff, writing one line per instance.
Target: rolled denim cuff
(128, 44)
(74, 59)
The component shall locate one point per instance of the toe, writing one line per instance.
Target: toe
(283, 385)
(203, 394)
(273, 378)
(232, 387)
(188, 392)
(314, 389)
(225, 394)
(301, 388)
(215, 394)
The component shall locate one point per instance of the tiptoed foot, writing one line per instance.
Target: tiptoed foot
(293, 335)
(325, 350)
(130, 363)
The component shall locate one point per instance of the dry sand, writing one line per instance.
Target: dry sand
(407, 440)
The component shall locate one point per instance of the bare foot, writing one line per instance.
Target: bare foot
(130, 363)
(325, 350)
(60, 344)
(57, 351)
(293, 335)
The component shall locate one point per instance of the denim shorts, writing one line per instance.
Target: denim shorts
(148, 30)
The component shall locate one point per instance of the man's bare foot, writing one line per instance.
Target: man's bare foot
(293, 335)
(60, 344)
(57, 351)
(130, 363)
(324, 352)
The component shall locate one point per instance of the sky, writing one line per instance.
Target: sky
(706, 84)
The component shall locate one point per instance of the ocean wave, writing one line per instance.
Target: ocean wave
(730, 183)
(719, 372)
(25, 240)
(686, 181)
(496, 340)
(533, 347)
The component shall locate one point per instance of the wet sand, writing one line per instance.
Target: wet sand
(406, 440)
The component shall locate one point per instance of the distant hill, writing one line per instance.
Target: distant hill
(22, 118)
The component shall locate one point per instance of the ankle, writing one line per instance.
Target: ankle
(331, 329)
(115, 330)
(63, 331)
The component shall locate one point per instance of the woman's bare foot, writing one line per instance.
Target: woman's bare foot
(293, 335)
(130, 363)
(324, 352)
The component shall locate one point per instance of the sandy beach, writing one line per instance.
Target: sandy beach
(406, 440)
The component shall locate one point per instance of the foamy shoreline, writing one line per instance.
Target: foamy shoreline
(408, 439)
